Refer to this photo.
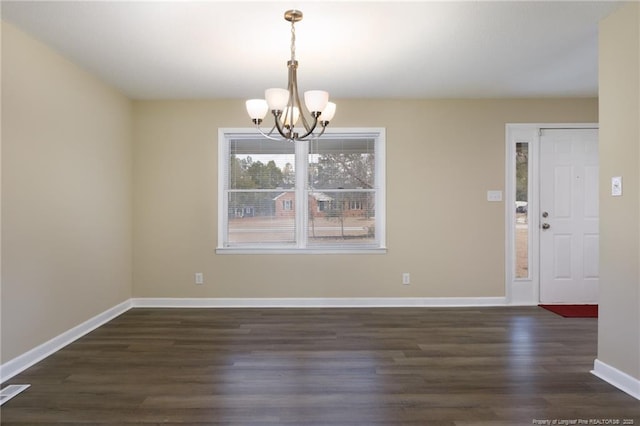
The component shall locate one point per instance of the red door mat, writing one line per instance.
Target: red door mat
(573, 311)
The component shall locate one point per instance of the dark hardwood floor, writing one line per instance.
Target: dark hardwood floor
(410, 366)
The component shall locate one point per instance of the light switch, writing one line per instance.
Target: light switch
(494, 196)
(616, 186)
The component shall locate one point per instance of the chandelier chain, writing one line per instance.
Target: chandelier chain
(293, 41)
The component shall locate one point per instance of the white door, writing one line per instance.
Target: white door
(569, 216)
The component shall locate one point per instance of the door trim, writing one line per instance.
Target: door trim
(525, 291)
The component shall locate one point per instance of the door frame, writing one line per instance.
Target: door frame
(526, 291)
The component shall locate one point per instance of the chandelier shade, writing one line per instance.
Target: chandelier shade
(316, 100)
(290, 116)
(285, 105)
(276, 98)
(257, 108)
(327, 114)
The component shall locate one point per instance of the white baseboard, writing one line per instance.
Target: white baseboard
(11, 392)
(617, 378)
(371, 302)
(26, 360)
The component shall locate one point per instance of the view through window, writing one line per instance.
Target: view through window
(341, 178)
(522, 210)
(325, 194)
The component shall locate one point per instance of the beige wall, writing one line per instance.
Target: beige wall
(619, 323)
(442, 157)
(66, 195)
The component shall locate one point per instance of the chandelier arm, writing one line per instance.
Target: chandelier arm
(268, 135)
(313, 127)
(324, 127)
(294, 96)
(278, 126)
(291, 104)
(289, 136)
(305, 124)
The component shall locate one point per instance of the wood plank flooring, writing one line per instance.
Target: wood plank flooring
(383, 366)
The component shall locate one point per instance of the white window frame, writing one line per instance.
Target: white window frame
(225, 135)
(521, 291)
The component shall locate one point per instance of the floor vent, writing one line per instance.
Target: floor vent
(11, 391)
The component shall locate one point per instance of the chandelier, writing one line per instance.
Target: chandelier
(285, 105)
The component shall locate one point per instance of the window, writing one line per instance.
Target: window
(522, 210)
(321, 196)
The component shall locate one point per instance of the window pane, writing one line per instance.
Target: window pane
(522, 210)
(260, 217)
(256, 164)
(341, 217)
(342, 164)
(256, 215)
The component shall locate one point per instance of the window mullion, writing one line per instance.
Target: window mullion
(223, 186)
(301, 209)
(380, 187)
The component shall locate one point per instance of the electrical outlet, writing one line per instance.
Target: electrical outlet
(199, 278)
(406, 278)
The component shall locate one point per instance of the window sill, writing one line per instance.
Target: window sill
(314, 250)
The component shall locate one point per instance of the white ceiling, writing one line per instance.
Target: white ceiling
(353, 49)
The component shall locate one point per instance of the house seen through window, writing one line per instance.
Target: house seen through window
(325, 194)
